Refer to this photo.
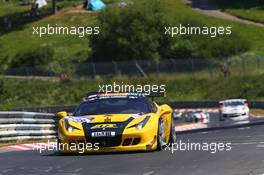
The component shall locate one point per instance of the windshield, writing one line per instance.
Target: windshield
(234, 103)
(114, 106)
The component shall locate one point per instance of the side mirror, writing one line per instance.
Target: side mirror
(62, 114)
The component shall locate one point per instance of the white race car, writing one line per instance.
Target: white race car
(234, 110)
(197, 116)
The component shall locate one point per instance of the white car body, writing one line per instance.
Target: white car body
(177, 115)
(197, 116)
(201, 116)
(234, 110)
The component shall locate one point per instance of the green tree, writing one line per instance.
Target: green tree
(132, 32)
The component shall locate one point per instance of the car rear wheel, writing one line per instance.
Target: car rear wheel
(161, 141)
(59, 151)
(172, 138)
(221, 118)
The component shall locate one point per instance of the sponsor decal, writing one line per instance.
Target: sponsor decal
(104, 126)
(107, 119)
(113, 94)
(136, 116)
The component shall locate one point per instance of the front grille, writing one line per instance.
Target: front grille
(136, 141)
(233, 115)
(81, 144)
(107, 142)
(127, 142)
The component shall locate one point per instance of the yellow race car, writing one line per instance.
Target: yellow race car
(116, 122)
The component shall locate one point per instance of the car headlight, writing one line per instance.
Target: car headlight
(69, 127)
(141, 124)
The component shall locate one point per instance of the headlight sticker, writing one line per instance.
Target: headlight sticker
(88, 120)
(135, 116)
(82, 120)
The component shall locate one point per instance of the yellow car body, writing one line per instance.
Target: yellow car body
(116, 132)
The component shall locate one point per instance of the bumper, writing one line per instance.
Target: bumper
(131, 141)
(235, 117)
(140, 147)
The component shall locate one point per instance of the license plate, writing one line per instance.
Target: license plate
(103, 134)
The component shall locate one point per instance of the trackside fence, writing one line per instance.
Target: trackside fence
(27, 126)
(196, 67)
(42, 124)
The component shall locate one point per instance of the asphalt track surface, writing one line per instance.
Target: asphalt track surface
(245, 158)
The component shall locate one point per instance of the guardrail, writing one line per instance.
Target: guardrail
(19, 125)
(48, 109)
(27, 126)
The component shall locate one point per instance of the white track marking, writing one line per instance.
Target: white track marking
(243, 128)
(260, 146)
(204, 132)
(249, 143)
(149, 173)
(17, 147)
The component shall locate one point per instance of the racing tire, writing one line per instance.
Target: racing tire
(160, 139)
(172, 138)
(221, 118)
(59, 151)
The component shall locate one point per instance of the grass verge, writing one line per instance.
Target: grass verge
(257, 112)
(251, 10)
(35, 92)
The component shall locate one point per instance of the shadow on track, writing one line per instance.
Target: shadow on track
(56, 153)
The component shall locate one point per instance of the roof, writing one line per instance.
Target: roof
(232, 100)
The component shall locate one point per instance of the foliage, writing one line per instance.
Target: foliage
(132, 32)
(40, 56)
(28, 92)
(137, 32)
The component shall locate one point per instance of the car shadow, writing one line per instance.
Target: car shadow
(56, 153)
